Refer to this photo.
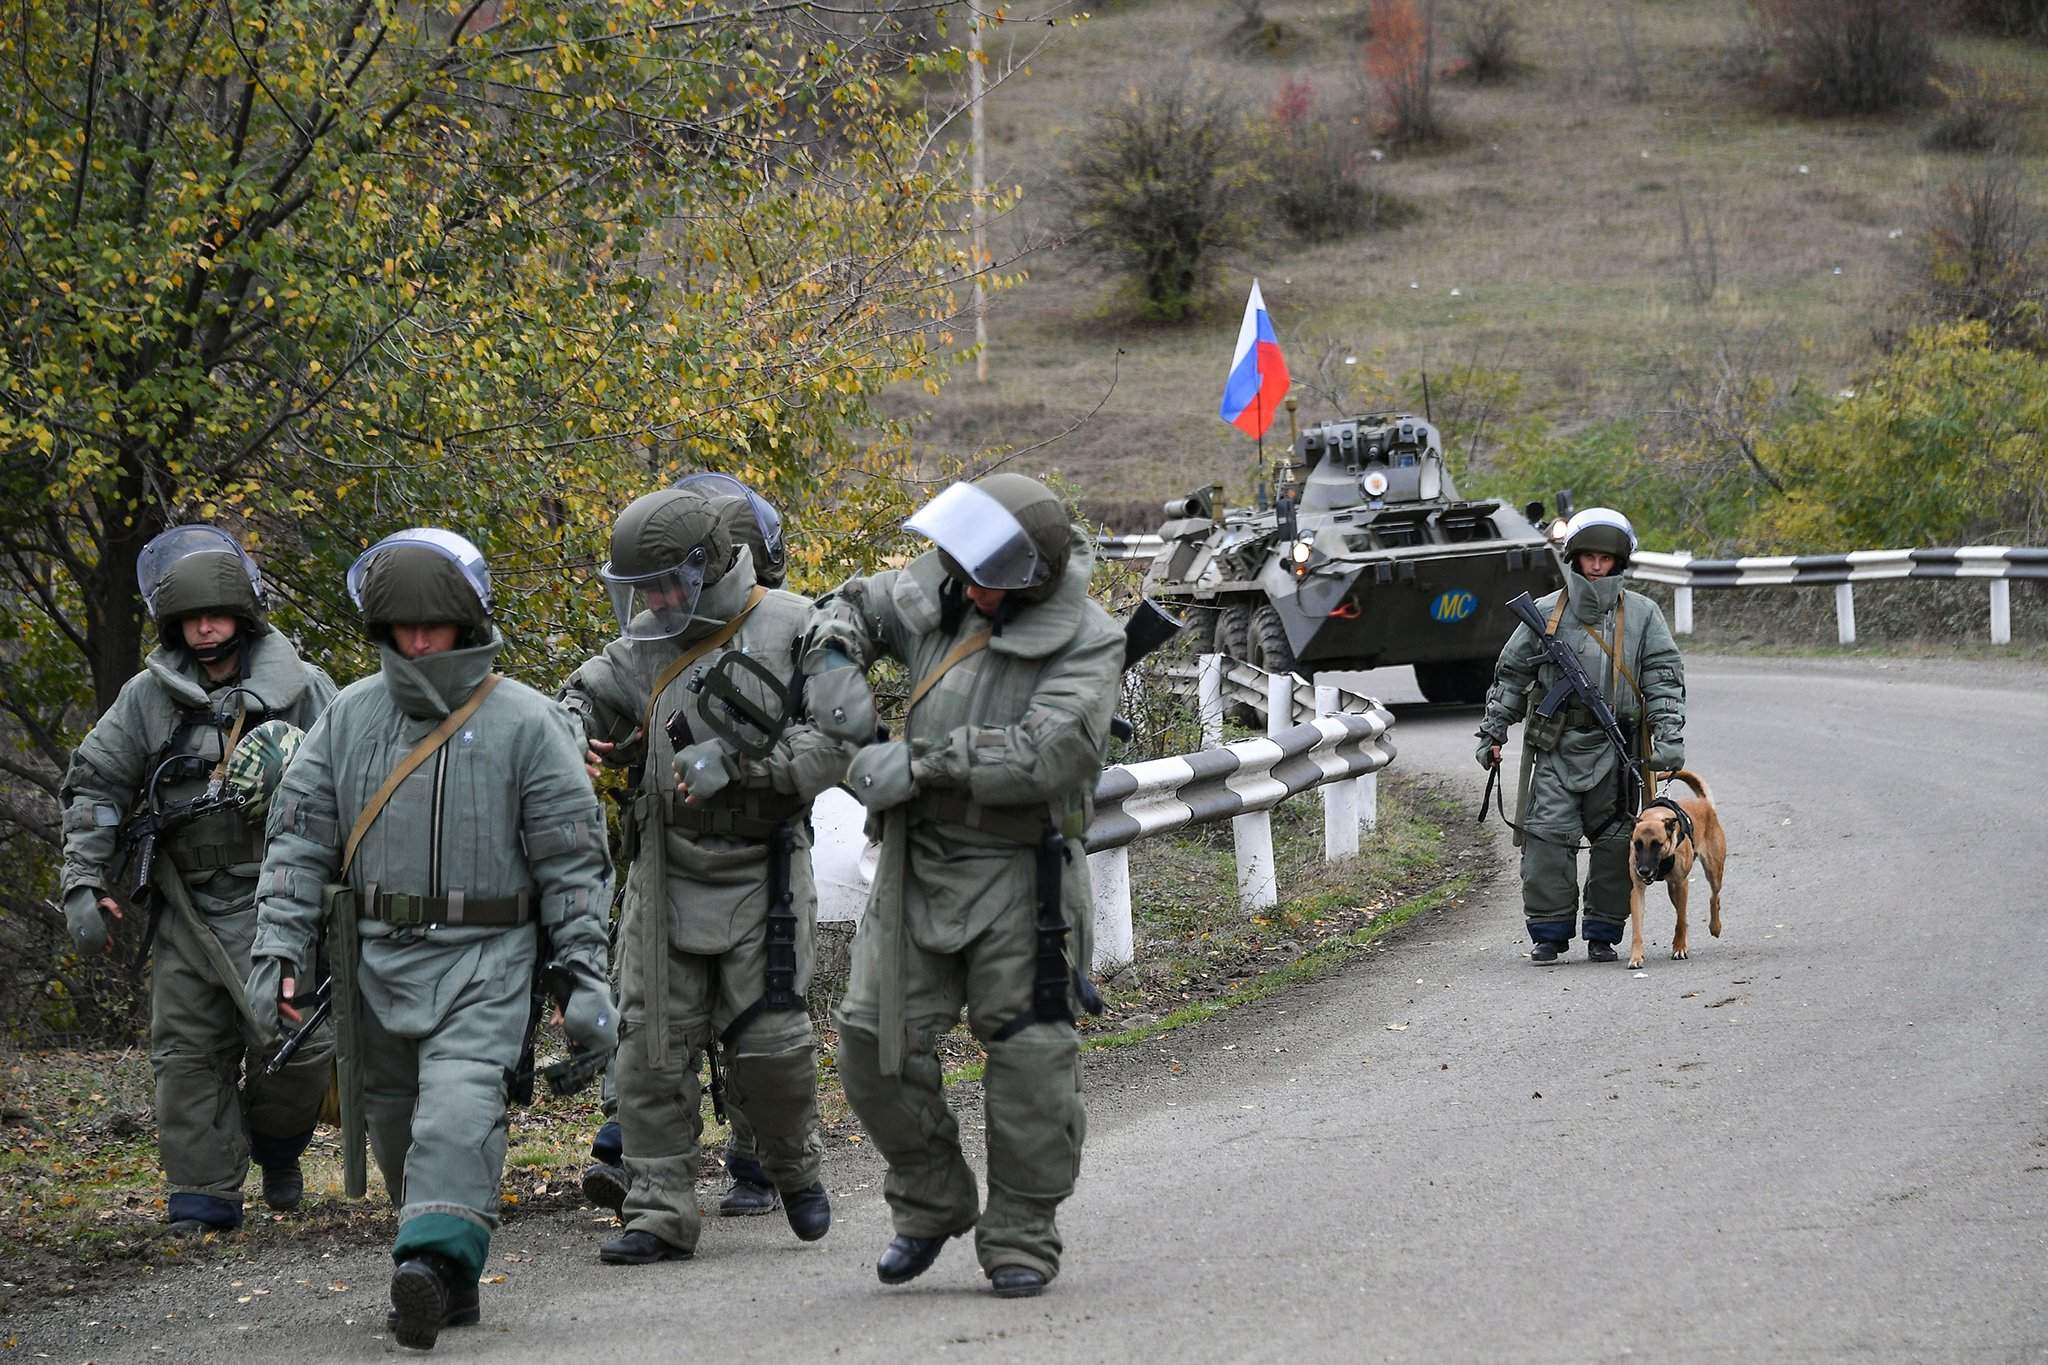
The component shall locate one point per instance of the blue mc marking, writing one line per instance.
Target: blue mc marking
(1454, 605)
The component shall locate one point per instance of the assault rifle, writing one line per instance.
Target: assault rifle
(552, 986)
(147, 828)
(322, 1001)
(1573, 683)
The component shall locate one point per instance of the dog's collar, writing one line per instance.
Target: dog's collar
(1684, 820)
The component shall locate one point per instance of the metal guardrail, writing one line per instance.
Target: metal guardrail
(1138, 800)
(1128, 547)
(1997, 565)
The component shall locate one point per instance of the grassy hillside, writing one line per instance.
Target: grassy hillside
(1554, 215)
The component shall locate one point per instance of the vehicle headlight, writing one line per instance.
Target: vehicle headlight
(1302, 550)
(1374, 484)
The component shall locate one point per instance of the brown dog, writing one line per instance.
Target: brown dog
(1663, 848)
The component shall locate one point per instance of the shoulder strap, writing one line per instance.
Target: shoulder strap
(695, 652)
(419, 754)
(1564, 598)
(959, 653)
(1615, 658)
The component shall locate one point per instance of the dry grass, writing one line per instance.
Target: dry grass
(1554, 215)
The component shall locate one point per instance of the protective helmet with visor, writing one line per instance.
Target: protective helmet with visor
(667, 547)
(194, 569)
(982, 538)
(420, 576)
(768, 544)
(1599, 530)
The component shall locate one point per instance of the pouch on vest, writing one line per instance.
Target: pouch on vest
(1541, 732)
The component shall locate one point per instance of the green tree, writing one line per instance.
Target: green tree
(1945, 444)
(317, 269)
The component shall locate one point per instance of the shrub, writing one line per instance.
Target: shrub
(1400, 62)
(2006, 18)
(1486, 38)
(1977, 118)
(1985, 257)
(1157, 189)
(1852, 56)
(1326, 185)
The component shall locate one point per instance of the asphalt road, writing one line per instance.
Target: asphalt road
(1823, 1137)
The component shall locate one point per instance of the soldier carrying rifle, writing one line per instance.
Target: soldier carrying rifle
(222, 694)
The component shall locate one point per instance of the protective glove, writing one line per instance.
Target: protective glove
(1484, 753)
(705, 769)
(85, 919)
(1667, 753)
(840, 700)
(264, 986)
(590, 1020)
(880, 775)
(258, 765)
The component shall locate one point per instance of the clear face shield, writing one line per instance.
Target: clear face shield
(153, 565)
(457, 550)
(990, 546)
(657, 606)
(713, 485)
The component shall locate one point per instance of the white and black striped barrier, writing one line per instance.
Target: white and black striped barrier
(1998, 564)
(1340, 750)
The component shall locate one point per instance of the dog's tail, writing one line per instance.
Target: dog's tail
(1690, 779)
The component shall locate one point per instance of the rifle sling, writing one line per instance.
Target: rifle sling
(419, 754)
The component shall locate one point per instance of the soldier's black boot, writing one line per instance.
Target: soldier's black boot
(752, 1193)
(604, 1185)
(906, 1258)
(1545, 953)
(635, 1247)
(1597, 951)
(1015, 1282)
(428, 1292)
(283, 1187)
(809, 1212)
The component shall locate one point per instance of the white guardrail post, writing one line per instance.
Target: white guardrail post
(1209, 698)
(1258, 878)
(1340, 799)
(1115, 938)
(2001, 611)
(1681, 601)
(1845, 613)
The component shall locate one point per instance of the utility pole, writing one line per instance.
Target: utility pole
(978, 194)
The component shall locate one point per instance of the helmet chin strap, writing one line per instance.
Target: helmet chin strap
(214, 653)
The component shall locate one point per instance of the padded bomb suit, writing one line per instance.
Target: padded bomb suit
(199, 1043)
(503, 809)
(708, 920)
(1019, 731)
(1572, 784)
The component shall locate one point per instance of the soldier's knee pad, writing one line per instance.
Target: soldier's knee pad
(1607, 880)
(903, 1112)
(1036, 1122)
(1550, 878)
(778, 1090)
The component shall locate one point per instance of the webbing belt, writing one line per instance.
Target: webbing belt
(453, 908)
(1005, 822)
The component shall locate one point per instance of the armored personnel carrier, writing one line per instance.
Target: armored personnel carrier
(1367, 558)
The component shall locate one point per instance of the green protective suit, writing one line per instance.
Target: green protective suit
(1018, 730)
(504, 808)
(693, 926)
(201, 1037)
(1573, 777)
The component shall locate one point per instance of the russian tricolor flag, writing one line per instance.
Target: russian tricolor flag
(1258, 372)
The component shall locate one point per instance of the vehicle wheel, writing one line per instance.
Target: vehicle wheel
(1270, 649)
(1201, 619)
(1460, 683)
(1234, 631)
